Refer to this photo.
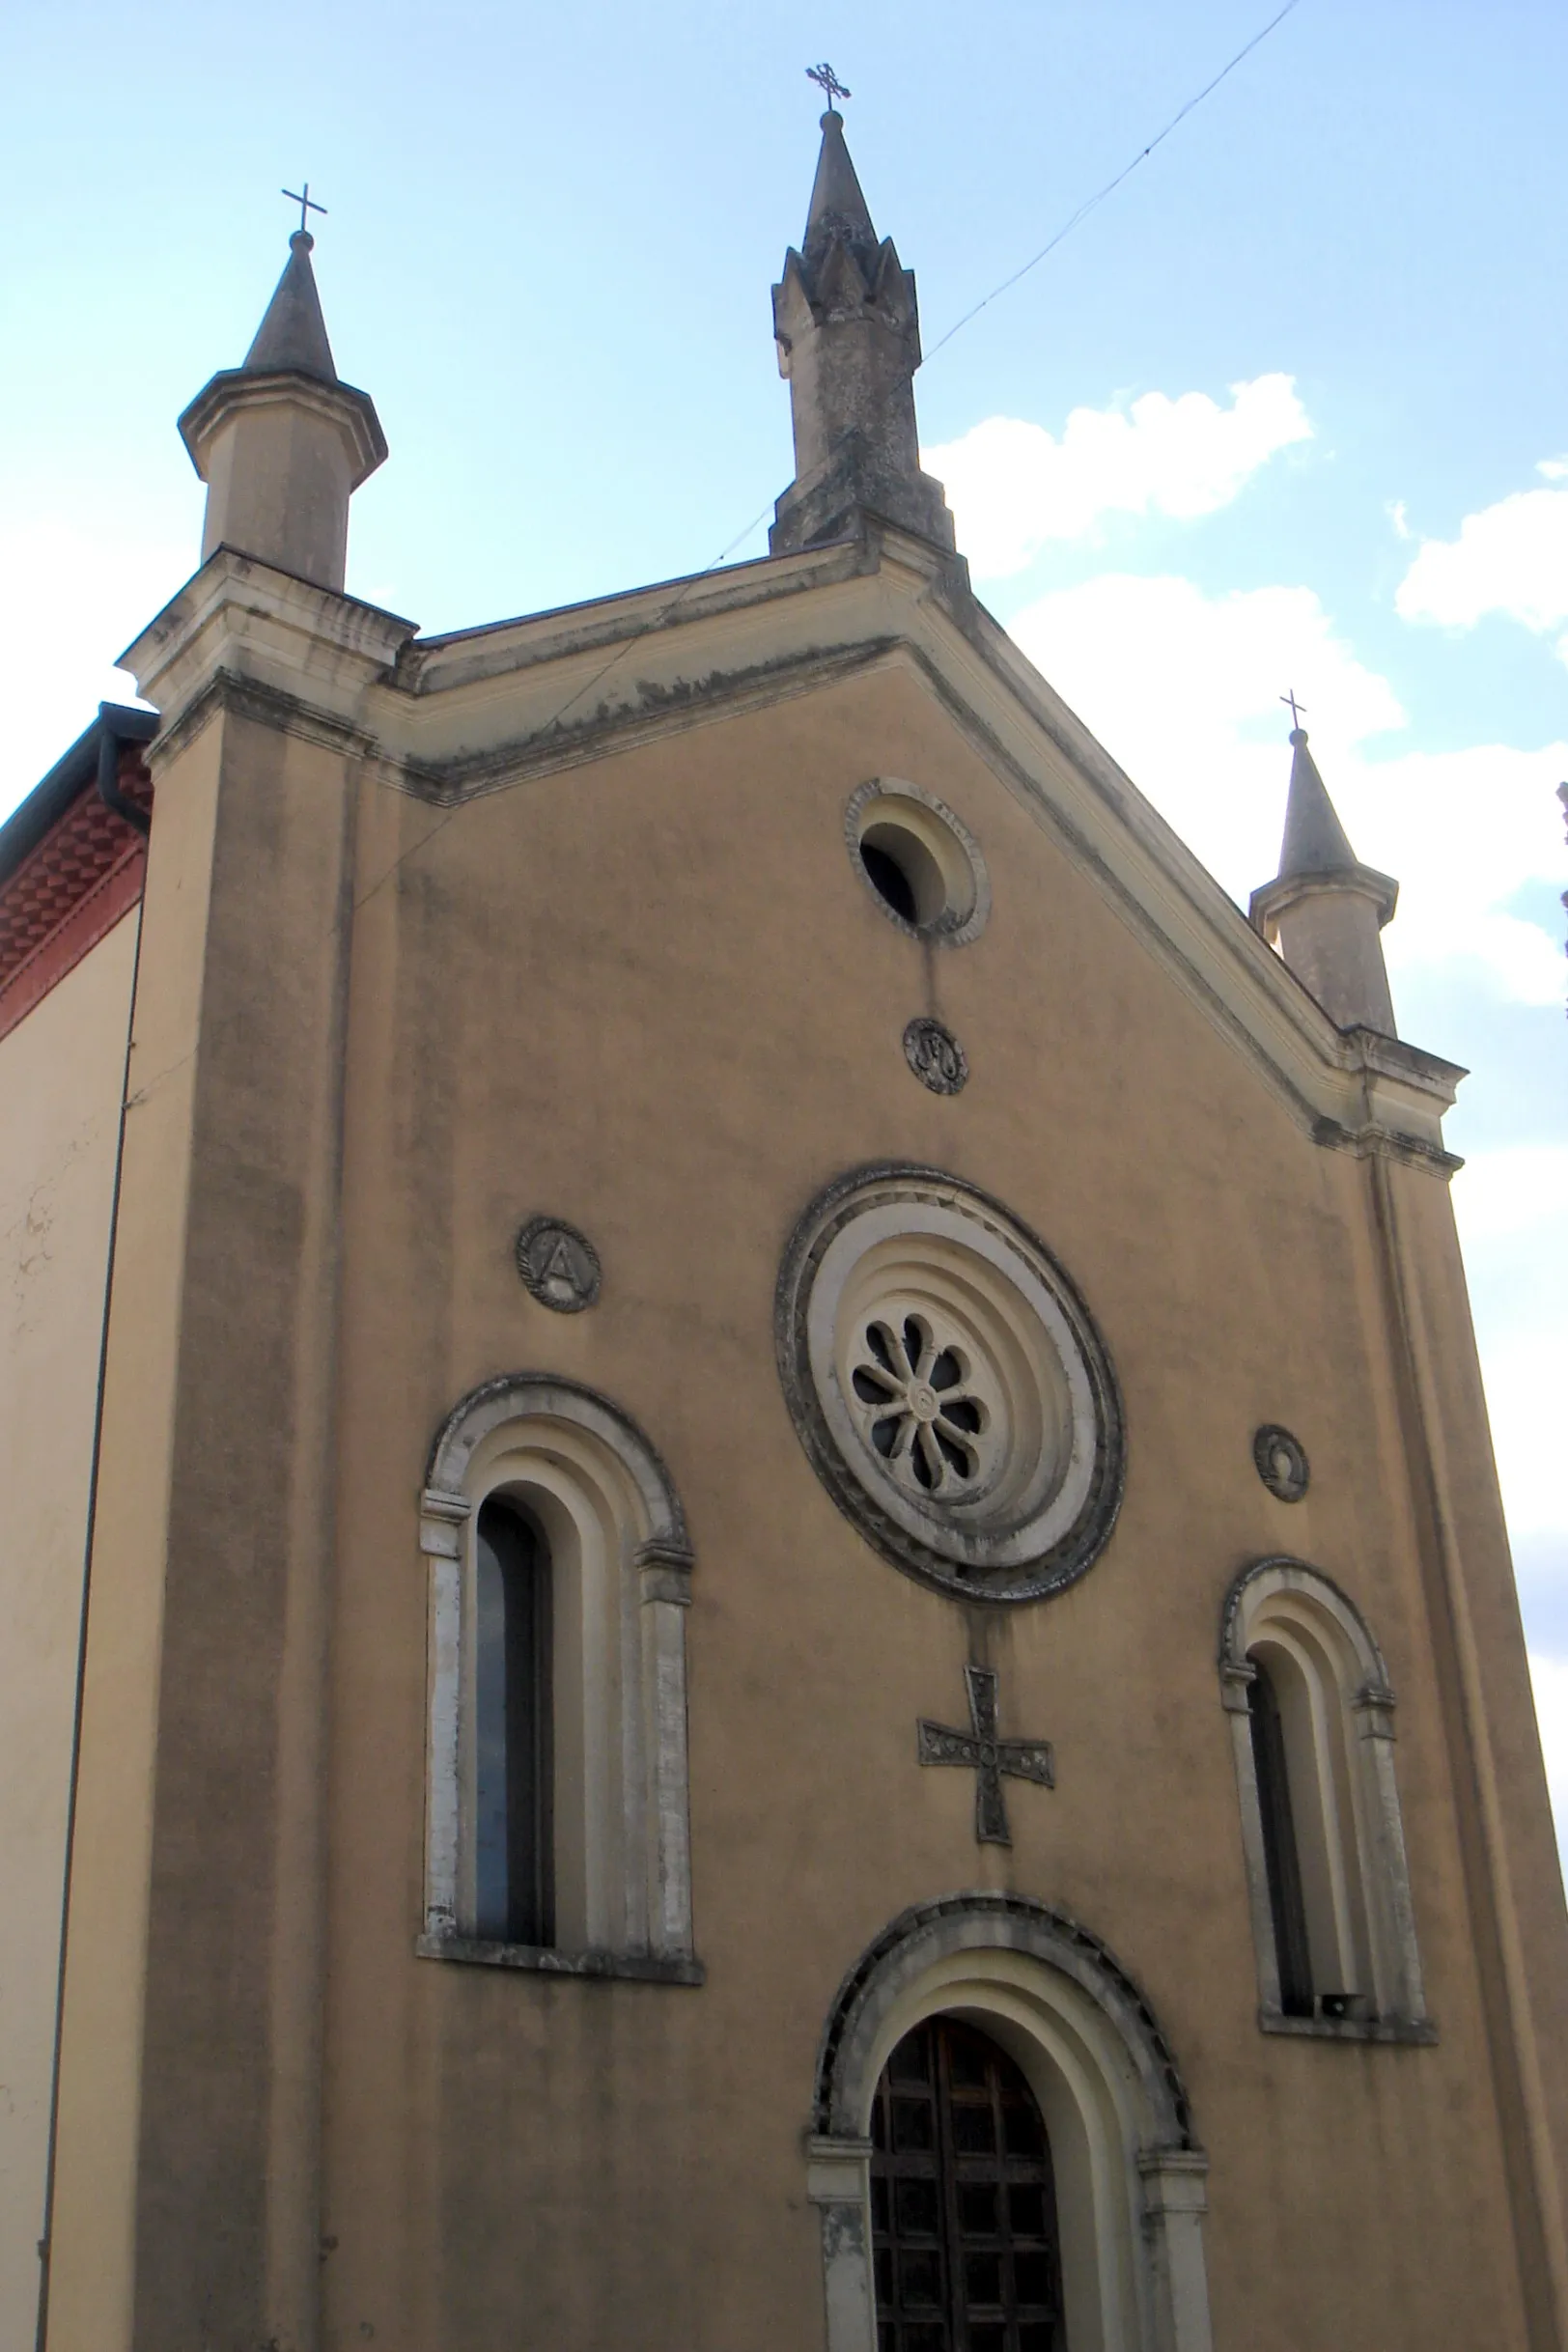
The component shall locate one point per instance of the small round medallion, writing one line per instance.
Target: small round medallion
(1281, 1461)
(559, 1265)
(935, 1055)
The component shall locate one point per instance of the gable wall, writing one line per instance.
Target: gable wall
(653, 997)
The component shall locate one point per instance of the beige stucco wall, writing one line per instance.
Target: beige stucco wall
(60, 1077)
(652, 995)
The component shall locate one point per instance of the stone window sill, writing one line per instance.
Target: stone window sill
(543, 1960)
(1413, 2029)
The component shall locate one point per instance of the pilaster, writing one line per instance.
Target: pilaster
(187, 2194)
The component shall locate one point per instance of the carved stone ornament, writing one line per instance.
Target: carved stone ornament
(1281, 1461)
(935, 1055)
(558, 1264)
(948, 1384)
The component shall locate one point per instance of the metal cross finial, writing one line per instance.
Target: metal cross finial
(828, 83)
(986, 1754)
(1296, 709)
(305, 202)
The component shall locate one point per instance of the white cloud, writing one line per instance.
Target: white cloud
(1511, 558)
(1508, 1203)
(1500, 1195)
(1177, 684)
(1014, 487)
(1550, 1677)
(70, 599)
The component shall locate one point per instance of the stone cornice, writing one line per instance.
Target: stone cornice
(1287, 891)
(349, 411)
(453, 717)
(240, 618)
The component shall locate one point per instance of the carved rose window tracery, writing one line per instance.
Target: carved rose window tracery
(948, 1384)
(920, 1410)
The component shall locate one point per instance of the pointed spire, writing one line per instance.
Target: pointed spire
(1315, 841)
(280, 442)
(294, 332)
(837, 207)
(848, 327)
(1324, 908)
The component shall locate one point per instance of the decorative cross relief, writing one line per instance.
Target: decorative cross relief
(984, 1753)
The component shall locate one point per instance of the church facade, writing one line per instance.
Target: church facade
(754, 1590)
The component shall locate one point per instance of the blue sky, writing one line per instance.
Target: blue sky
(1290, 408)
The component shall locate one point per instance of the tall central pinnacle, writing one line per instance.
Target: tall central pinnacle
(848, 329)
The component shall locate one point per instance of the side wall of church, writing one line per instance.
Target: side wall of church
(653, 997)
(60, 1077)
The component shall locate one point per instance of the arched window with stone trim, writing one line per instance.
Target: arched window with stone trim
(1311, 1715)
(556, 1811)
(1086, 2222)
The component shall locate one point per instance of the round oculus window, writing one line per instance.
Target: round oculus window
(949, 1385)
(921, 864)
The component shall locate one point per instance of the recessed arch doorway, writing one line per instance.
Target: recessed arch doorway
(1126, 2169)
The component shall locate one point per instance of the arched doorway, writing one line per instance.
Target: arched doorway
(962, 2200)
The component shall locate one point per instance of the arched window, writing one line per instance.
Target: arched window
(1312, 1721)
(962, 2200)
(514, 1733)
(556, 1829)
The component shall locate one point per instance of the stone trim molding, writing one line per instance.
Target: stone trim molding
(543, 1960)
(946, 839)
(1130, 2176)
(435, 721)
(1020, 1502)
(623, 1561)
(1364, 1915)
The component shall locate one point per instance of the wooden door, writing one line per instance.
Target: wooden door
(962, 2202)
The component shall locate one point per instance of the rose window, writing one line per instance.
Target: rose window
(919, 1407)
(948, 1384)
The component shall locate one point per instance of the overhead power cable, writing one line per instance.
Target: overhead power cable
(1112, 186)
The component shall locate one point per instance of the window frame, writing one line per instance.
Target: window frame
(1344, 1798)
(620, 1583)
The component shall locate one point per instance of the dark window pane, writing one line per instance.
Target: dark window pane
(983, 2277)
(1287, 1905)
(978, 2210)
(974, 2131)
(988, 2335)
(919, 2277)
(910, 2062)
(879, 2201)
(966, 2061)
(885, 2276)
(514, 1834)
(915, 2125)
(1037, 2335)
(1026, 2211)
(926, 2336)
(915, 2204)
(1034, 2278)
(1022, 2130)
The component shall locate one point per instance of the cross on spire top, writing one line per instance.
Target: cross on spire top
(1296, 709)
(306, 203)
(828, 83)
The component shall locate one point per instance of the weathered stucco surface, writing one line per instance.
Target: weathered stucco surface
(59, 1074)
(649, 993)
